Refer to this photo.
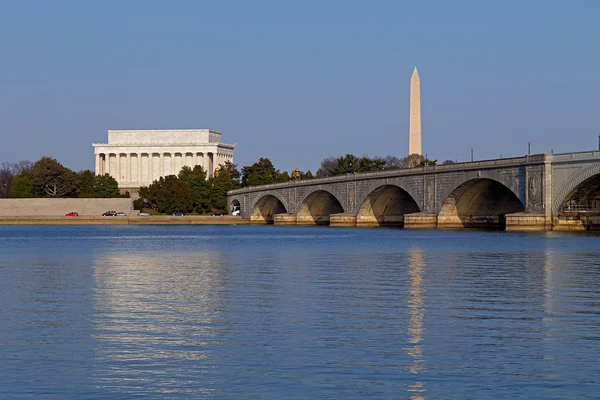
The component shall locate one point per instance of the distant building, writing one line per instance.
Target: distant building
(138, 157)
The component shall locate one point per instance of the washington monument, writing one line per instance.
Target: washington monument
(414, 138)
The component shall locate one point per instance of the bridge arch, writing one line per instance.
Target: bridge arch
(265, 208)
(575, 188)
(316, 208)
(480, 202)
(234, 204)
(386, 205)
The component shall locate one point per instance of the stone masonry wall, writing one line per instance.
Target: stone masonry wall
(60, 207)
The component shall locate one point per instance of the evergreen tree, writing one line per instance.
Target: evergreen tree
(261, 172)
(233, 171)
(85, 184)
(22, 186)
(221, 184)
(201, 189)
(106, 186)
(167, 195)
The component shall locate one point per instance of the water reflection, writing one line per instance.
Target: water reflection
(416, 311)
(155, 317)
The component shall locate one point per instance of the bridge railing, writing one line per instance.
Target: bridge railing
(536, 158)
(580, 155)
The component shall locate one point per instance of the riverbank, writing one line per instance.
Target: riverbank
(129, 220)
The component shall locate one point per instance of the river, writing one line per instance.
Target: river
(267, 312)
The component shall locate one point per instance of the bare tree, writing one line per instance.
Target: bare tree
(7, 176)
(8, 172)
(328, 165)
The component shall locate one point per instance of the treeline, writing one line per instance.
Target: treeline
(334, 166)
(49, 178)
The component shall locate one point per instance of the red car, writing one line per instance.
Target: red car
(72, 214)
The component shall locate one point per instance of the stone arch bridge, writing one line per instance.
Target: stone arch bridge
(541, 191)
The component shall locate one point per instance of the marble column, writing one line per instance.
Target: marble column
(106, 164)
(161, 164)
(97, 168)
(150, 167)
(173, 164)
(118, 164)
(195, 162)
(139, 168)
(128, 167)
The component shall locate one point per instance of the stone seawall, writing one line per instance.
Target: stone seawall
(129, 220)
(60, 207)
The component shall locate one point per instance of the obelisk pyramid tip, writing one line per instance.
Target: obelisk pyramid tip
(415, 72)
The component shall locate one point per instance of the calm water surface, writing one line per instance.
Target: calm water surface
(249, 312)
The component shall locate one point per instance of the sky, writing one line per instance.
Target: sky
(300, 81)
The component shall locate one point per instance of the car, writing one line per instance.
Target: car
(178, 214)
(144, 214)
(120, 214)
(109, 214)
(236, 210)
(217, 214)
(73, 214)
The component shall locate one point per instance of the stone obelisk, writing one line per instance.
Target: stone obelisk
(414, 138)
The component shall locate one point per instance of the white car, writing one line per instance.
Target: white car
(236, 210)
(144, 214)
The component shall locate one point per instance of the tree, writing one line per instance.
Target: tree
(306, 175)
(196, 180)
(414, 160)
(167, 195)
(427, 162)
(221, 184)
(261, 172)
(233, 171)
(22, 186)
(367, 164)
(85, 184)
(7, 175)
(8, 172)
(283, 176)
(328, 165)
(106, 186)
(51, 179)
(448, 162)
(347, 164)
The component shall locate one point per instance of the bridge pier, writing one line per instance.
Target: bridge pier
(312, 220)
(475, 221)
(342, 219)
(527, 221)
(284, 219)
(420, 220)
(382, 220)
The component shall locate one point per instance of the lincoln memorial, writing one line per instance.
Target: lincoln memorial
(138, 157)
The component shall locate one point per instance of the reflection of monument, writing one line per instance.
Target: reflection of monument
(414, 138)
(416, 312)
(154, 309)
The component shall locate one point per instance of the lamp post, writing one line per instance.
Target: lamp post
(599, 141)
(471, 154)
(528, 148)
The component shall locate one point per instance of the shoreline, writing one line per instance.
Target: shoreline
(129, 220)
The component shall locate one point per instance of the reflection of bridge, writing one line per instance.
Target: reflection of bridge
(531, 192)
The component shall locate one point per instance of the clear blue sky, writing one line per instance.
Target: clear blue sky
(300, 81)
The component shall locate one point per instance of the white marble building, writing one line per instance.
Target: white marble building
(138, 157)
